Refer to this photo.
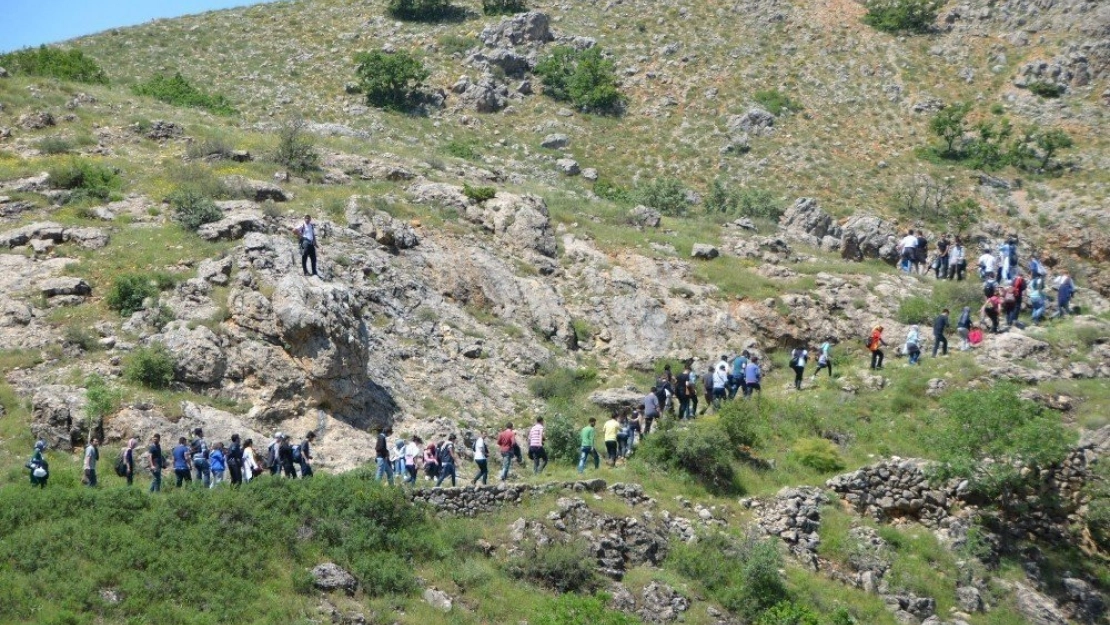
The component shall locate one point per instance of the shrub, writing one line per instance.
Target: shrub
(776, 102)
(389, 80)
(583, 331)
(503, 7)
(454, 44)
(742, 576)
(613, 192)
(561, 437)
(578, 609)
(740, 424)
(87, 179)
(758, 204)
(296, 150)
(563, 568)
(950, 124)
(696, 449)
(479, 194)
(1046, 89)
(788, 613)
(54, 145)
(82, 337)
(818, 454)
(151, 367)
(129, 291)
(720, 198)
(1098, 513)
(666, 195)
(461, 149)
(915, 310)
(176, 90)
(210, 148)
(582, 77)
(898, 16)
(562, 383)
(422, 10)
(54, 63)
(192, 210)
(101, 399)
(956, 295)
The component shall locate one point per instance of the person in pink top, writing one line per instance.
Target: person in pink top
(535, 447)
(505, 441)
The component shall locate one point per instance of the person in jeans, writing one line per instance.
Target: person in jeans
(481, 458)
(181, 467)
(235, 461)
(623, 435)
(682, 391)
(798, 359)
(720, 385)
(963, 328)
(875, 344)
(610, 430)
(505, 441)
(940, 324)
(217, 464)
(129, 460)
(200, 457)
(587, 438)
(651, 410)
(157, 463)
(753, 377)
(536, 450)
(447, 460)
(306, 233)
(306, 454)
(413, 450)
(381, 452)
(92, 454)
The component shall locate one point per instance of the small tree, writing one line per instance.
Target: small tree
(503, 7)
(151, 367)
(1050, 142)
(54, 63)
(583, 77)
(899, 16)
(962, 214)
(666, 195)
(295, 149)
(950, 125)
(420, 10)
(720, 198)
(389, 79)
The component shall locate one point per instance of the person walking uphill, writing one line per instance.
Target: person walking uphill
(40, 469)
(536, 450)
(940, 324)
(381, 453)
(306, 232)
(798, 358)
(181, 468)
(587, 439)
(963, 328)
(157, 463)
(129, 461)
(610, 430)
(875, 344)
(447, 461)
(651, 410)
(505, 441)
(92, 455)
(753, 377)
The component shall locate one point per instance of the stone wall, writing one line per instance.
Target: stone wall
(473, 500)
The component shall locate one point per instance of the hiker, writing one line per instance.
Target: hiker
(623, 435)
(397, 455)
(235, 461)
(913, 345)
(199, 449)
(921, 254)
(720, 385)
(957, 261)
(707, 383)
(306, 232)
(651, 410)
(1008, 305)
(481, 458)
(447, 460)
(505, 442)
(587, 439)
(635, 426)
(667, 385)
(963, 328)
(381, 455)
(692, 390)
(431, 463)
(92, 455)
(940, 263)
(1065, 290)
(285, 457)
(907, 250)
(682, 391)
(987, 265)
(250, 463)
(737, 381)
(182, 470)
(1037, 300)
(1004, 260)
(40, 468)
(157, 463)
(536, 451)
(662, 393)
(1018, 287)
(990, 311)
(940, 324)
(875, 344)
(824, 358)
(306, 454)
(272, 454)
(217, 464)
(798, 358)
(1036, 269)
(413, 453)
(609, 432)
(975, 336)
(753, 375)
(128, 461)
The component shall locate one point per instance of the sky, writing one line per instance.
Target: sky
(33, 22)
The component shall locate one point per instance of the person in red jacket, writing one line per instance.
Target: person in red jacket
(505, 441)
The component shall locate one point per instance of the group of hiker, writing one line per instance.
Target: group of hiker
(208, 465)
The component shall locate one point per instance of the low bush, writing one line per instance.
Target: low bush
(389, 80)
(54, 145)
(503, 7)
(582, 77)
(54, 63)
(776, 102)
(1098, 514)
(564, 568)
(151, 367)
(82, 337)
(87, 179)
(423, 10)
(561, 437)
(902, 16)
(129, 291)
(758, 204)
(743, 576)
(296, 149)
(178, 91)
(607, 190)
(1046, 89)
(461, 149)
(456, 44)
(192, 209)
(578, 609)
(102, 400)
(788, 613)
(209, 148)
(741, 425)
(916, 310)
(479, 194)
(562, 383)
(818, 454)
(696, 448)
(666, 195)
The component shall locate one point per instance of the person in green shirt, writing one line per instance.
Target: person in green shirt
(610, 429)
(588, 436)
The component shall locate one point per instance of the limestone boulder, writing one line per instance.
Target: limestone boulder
(58, 416)
(198, 357)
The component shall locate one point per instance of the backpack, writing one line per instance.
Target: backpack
(200, 449)
(796, 357)
(121, 464)
(443, 454)
(989, 287)
(297, 457)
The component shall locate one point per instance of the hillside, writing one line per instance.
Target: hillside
(489, 253)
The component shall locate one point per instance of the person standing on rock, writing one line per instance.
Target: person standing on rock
(431, 463)
(157, 463)
(753, 378)
(988, 265)
(306, 232)
(536, 450)
(235, 461)
(692, 386)
(963, 328)
(624, 434)
(40, 469)
(92, 455)
(1019, 285)
(447, 460)
(651, 410)
(505, 441)
(199, 449)
(250, 463)
(587, 446)
(875, 345)
(798, 358)
(940, 324)
(181, 467)
(306, 454)
(707, 385)
(381, 455)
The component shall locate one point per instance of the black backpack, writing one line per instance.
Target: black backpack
(121, 464)
(443, 455)
(989, 287)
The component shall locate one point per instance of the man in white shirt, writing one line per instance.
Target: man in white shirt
(92, 454)
(987, 265)
(908, 247)
(307, 233)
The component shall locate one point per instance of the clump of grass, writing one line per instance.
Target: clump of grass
(87, 179)
(564, 568)
(178, 91)
(456, 44)
(479, 194)
(776, 102)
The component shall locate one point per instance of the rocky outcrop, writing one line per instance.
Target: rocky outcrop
(531, 28)
(198, 357)
(233, 227)
(88, 238)
(477, 500)
(756, 121)
(793, 516)
(805, 221)
(255, 190)
(58, 416)
(521, 220)
(331, 577)
(893, 489)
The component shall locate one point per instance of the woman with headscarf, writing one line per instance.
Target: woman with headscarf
(913, 345)
(963, 327)
(875, 344)
(129, 460)
(40, 469)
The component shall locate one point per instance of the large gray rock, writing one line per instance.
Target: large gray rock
(531, 28)
(555, 141)
(64, 285)
(756, 121)
(485, 96)
(438, 193)
(438, 599)
(256, 190)
(505, 60)
(89, 238)
(391, 232)
(1036, 607)
(215, 271)
(36, 121)
(805, 221)
(58, 416)
(198, 357)
(704, 251)
(867, 236)
(234, 226)
(568, 166)
(521, 220)
(367, 169)
(329, 577)
(614, 398)
(645, 217)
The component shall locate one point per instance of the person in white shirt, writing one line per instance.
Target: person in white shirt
(307, 233)
(250, 464)
(481, 458)
(413, 449)
(957, 260)
(908, 247)
(988, 265)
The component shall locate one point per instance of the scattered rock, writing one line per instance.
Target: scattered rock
(36, 121)
(590, 174)
(65, 285)
(438, 599)
(568, 166)
(645, 217)
(233, 227)
(329, 577)
(528, 28)
(555, 141)
(756, 121)
(704, 251)
(160, 130)
(255, 190)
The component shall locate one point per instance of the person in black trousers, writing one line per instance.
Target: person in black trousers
(235, 460)
(940, 324)
(308, 242)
